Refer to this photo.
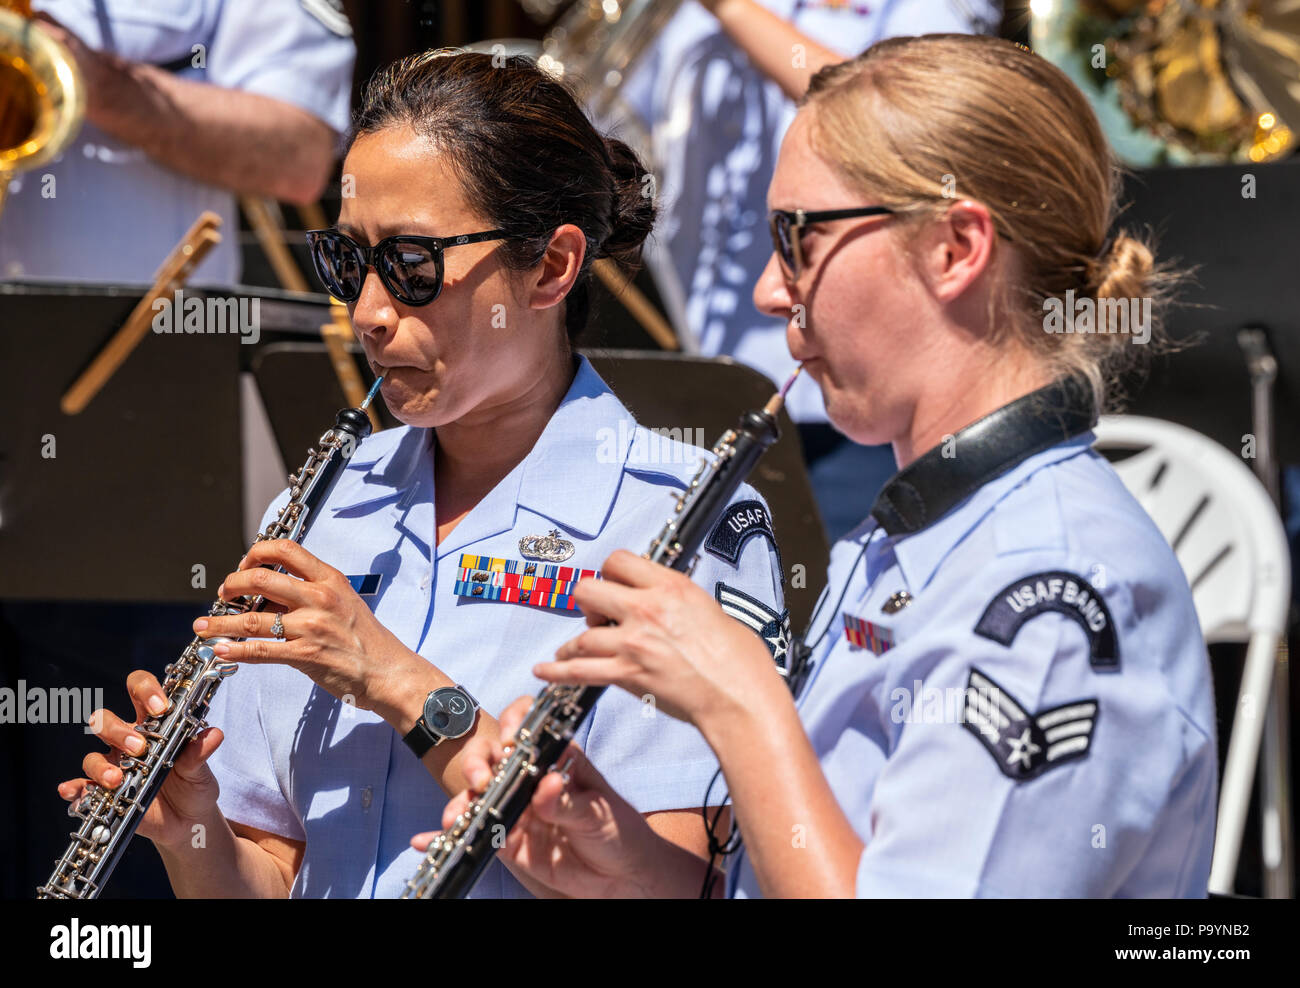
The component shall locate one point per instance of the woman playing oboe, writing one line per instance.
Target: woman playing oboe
(1007, 692)
(476, 196)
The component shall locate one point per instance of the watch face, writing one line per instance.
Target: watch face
(449, 712)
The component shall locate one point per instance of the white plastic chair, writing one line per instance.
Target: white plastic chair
(1230, 541)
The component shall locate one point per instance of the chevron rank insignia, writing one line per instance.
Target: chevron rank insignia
(867, 634)
(518, 581)
(1024, 745)
(772, 627)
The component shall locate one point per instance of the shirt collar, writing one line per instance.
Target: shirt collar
(920, 553)
(929, 505)
(571, 475)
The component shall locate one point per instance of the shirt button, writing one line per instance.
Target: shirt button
(424, 584)
(367, 797)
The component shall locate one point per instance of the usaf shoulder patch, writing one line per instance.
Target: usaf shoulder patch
(772, 627)
(738, 524)
(1024, 746)
(1059, 591)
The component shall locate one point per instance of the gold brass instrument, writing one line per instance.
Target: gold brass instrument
(595, 42)
(591, 48)
(592, 45)
(42, 94)
(1182, 81)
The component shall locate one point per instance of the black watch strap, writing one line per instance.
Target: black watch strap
(420, 739)
(422, 736)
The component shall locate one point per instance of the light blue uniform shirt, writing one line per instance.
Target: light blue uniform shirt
(1113, 788)
(115, 213)
(716, 125)
(299, 763)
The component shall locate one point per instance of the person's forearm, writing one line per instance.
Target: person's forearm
(401, 704)
(671, 872)
(777, 48)
(225, 866)
(250, 144)
(797, 838)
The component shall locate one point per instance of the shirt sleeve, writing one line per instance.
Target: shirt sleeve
(251, 792)
(283, 51)
(1021, 770)
(655, 761)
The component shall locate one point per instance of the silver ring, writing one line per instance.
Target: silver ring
(277, 627)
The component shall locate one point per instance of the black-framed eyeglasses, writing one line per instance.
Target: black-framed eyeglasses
(788, 224)
(409, 266)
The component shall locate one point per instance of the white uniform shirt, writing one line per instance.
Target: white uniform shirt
(716, 127)
(1039, 719)
(115, 213)
(299, 763)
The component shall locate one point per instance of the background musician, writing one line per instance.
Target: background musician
(188, 105)
(516, 460)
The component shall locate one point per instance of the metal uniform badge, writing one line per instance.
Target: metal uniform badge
(548, 548)
(896, 602)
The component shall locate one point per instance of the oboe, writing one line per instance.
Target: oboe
(110, 816)
(457, 858)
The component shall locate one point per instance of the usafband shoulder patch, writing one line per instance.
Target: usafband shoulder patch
(1055, 590)
(1025, 745)
(741, 522)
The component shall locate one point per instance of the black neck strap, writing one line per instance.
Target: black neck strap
(927, 489)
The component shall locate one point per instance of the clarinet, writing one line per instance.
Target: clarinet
(110, 816)
(457, 858)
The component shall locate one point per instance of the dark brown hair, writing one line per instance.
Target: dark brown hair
(528, 158)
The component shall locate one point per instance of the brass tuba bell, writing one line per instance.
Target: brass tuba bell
(42, 95)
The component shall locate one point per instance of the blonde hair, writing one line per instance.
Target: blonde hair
(920, 122)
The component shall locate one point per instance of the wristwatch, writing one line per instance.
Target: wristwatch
(449, 713)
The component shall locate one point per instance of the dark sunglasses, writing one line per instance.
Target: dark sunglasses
(787, 230)
(410, 267)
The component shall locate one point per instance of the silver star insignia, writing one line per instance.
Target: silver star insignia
(778, 643)
(1022, 749)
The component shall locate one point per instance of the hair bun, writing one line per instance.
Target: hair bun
(632, 207)
(1125, 270)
